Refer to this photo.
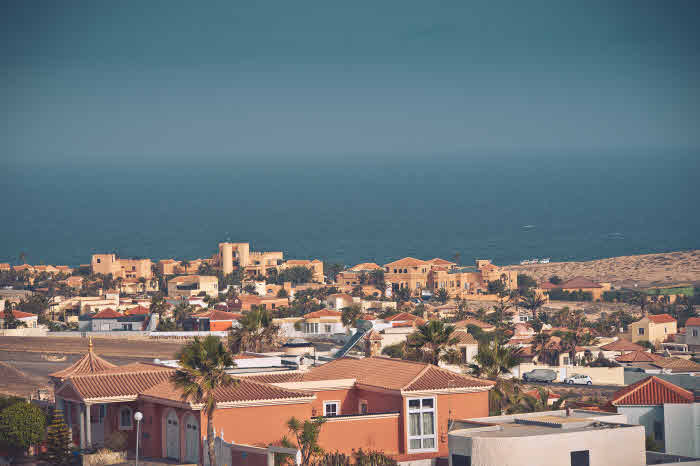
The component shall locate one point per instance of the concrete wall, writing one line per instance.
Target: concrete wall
(644, 416)
(681, 425)
(618, 446)
(599, 375)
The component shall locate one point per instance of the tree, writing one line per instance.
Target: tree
(22, 425)
(376, 278)
(332, 270)
(540, 402)
(297, 274)
(282, 293)
(402, 295)
(442, 295)
(555, 280)
(395, 351)
(158, 304)
(306, 434)
(493, 360)
(432, 338)
(9, 317)
(532, 302)
(496, 287)
(255, 332)
(58, 441)
(351, 314)
(202, 370)
(526, 282)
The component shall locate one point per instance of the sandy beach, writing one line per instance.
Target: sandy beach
(643, 270)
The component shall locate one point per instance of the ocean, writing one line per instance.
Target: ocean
(565, 205)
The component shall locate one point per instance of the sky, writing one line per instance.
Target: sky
(168, 80)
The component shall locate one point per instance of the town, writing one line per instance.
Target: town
(413, 362)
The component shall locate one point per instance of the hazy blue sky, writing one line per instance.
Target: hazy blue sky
(236, 78)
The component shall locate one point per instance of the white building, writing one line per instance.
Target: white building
(552, 438)
(669, 414)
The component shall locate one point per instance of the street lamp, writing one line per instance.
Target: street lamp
(138, 416)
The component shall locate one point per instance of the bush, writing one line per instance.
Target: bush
(21, 425)
(116, 441)
(104, 457)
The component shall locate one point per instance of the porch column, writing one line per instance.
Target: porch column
(270, 458)
(88, 426)
(81, 422)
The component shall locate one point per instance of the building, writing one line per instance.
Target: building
(316, 267)
(106, 264)
(551, 438)
(620, 347)
(26, 318)
(338, 301)
(692, 333)
(193, 285)
(401, 408)
(109, 320)
(357, 275)
(322, 323)
(212, 320)
(653, 328)
(577, 284)
(246, 302)
(669, 414)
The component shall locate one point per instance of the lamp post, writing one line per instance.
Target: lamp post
(138, 416)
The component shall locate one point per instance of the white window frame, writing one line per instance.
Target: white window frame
(421, 410)
(331, 402)
(327, 328)
(131, 420)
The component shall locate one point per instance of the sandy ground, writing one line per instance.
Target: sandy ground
(643, 270)
(24, 367)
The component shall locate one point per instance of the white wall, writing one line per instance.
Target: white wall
(682, 428)
(644, 416)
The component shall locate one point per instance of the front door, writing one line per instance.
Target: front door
(172, 436)
(97, 424)
(192, 439)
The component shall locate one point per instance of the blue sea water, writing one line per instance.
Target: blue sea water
(563, 205)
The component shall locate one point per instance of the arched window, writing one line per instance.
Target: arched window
(125, 418)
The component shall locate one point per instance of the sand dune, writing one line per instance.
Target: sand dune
(644, 270)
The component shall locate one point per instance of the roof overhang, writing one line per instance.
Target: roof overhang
(318, 385)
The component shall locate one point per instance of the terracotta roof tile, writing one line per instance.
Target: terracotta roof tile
(435, 378)
(322, 313)
(693, 321)
(402, 316)
(650, 392)
(438, 261)
(622, 345)
(638, 356)
(677, 365)
(138, 310)
(277, 377)
(365, 266)
(21, 314)
(661, 318)
(464, 338)
(89, 363)
(107, 313)
(121, 381)
(245, 390)
(406, 262)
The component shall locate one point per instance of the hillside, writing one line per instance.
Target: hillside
(644, 270)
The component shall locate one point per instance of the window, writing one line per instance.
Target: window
(331, 408)
(665, 330)
(421, 424)
(311, 327)
(327, 328)
(658, 430)
(363, 407)
(125, 419)
(565, 360)
(640, 331)
(461, 460)
(695, 332)
(580, 458)
(99, 261)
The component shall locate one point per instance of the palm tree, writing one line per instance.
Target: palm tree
(493, 360)
(442, 295)
(540, 402)
(569, 341)
(539, 343)
(434, 336)
(533, 302)
(185, 264)
(255, 332)
(350, 315)
(202, 371)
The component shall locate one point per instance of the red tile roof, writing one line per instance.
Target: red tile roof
(122, 381)
(622, 345)
(365, 266)
(393, 374)
(693, 321)
(21, 314)
(438, 261)
(638, 356)
(661, 318)
(244, 391)
(322, 313)
(215, 314)
(402, 317)
(677, 365)
(651, 391)
(89, 363)
(107, 313)
(406, 262)
(138, 310)
(464, 338)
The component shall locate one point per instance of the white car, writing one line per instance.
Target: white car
(579, 379)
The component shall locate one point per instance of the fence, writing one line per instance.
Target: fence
(229, 454)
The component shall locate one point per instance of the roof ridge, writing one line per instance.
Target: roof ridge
(420, 374)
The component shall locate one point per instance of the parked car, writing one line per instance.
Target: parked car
(540, 375)
(579, 379)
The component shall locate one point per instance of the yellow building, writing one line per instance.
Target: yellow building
(193, 285)
(653, 328)
(106, 264)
